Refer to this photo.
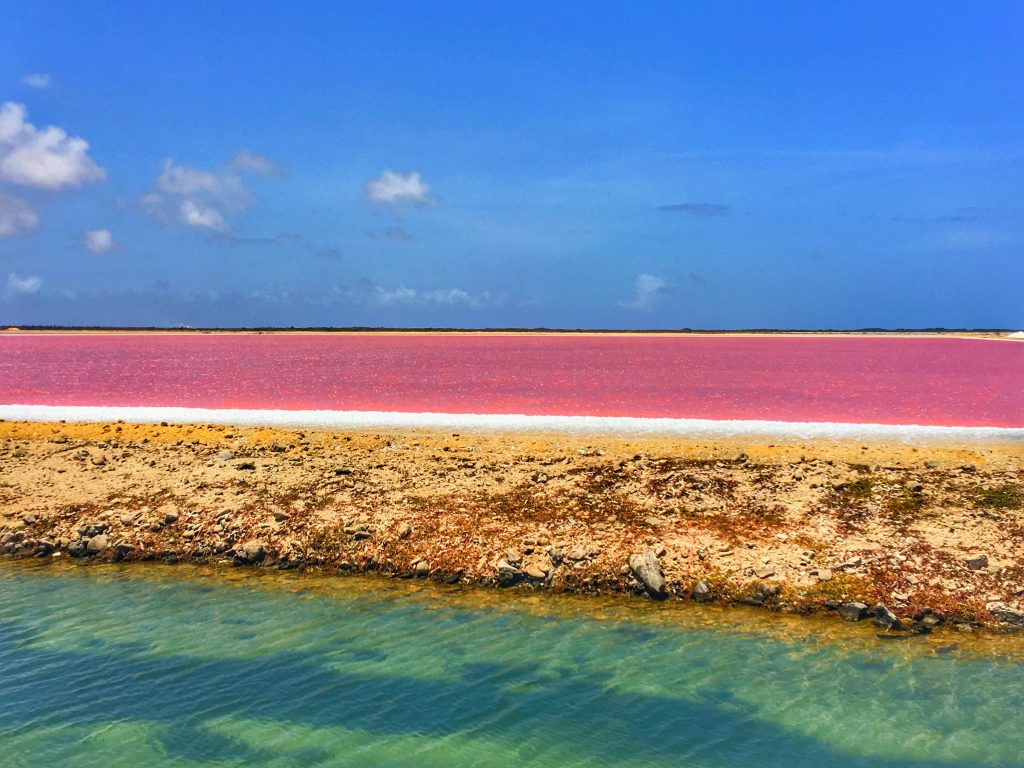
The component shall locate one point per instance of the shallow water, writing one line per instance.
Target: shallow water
(160, 666)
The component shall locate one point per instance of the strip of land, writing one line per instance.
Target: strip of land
(932, 533)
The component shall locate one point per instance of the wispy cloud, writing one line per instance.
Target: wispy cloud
(37, 80)
(98, 240)
(203, 199)
(697, 210)
(245, 161)
(16, 216)
(20, 286)
(397, 189)
(444, 297)
(646, 290)
(45, 158)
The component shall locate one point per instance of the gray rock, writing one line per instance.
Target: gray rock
(250, 553)
(508, 574)
(853, 611)
(647, 570)
(513, 557)
(701, 592)
(422, 568)
(886, 618)
(576, 553)
(977, 562)
(96, 544)
(1008, 615)
(225, 456)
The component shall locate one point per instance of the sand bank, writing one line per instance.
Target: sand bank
(792, 523)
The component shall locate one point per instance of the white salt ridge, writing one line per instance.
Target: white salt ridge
(496, 422)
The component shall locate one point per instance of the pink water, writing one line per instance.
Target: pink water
(928, 381)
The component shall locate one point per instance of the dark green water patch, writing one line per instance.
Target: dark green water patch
(111, 666)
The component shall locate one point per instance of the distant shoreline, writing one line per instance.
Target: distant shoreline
(997, 334)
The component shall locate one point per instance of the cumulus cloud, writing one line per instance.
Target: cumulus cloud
(44, 158)
(397, 189)
(37, 80)
(203, 199)
(16, 216)
(645, 292)
(20, 286)
(98, 240)
(697, 210)
(443, 297)
(245, 161)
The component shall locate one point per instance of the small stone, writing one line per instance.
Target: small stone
(932, 464)
(824, 574)
(513, 557)
(225, 456)
(404, 531)
(742, 459)
(764, 572)
(280, 515)
(977, 562)
(913, 486)
(422, 568)
(99, 461)
(653, 521)
(535, 573)
(853, 611)
(245, 466)
(701, 592)
(171, 517)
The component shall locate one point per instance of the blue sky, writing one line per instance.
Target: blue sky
(627, 165)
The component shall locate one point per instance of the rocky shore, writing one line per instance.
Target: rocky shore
(910, 537)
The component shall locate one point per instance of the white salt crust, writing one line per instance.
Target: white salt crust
(492, 422)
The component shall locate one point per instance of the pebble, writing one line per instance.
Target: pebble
(701, 592)
(764, 572)
(404, 531)
(977, 562)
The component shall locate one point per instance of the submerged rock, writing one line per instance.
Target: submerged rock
(647, 570)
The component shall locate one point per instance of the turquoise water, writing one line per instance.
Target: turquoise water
(176, 666)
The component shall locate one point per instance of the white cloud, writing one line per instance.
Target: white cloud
(43, 158)
(201, 198)
(645, 292)
(16, 216)
(444, 297)
(98, 240)
(37, 80)
(202, 217)
(396, 189)
(22, 285)
(245, 161)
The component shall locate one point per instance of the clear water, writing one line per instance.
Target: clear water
(108, 666)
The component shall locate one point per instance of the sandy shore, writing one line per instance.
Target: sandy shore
(798, 526)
